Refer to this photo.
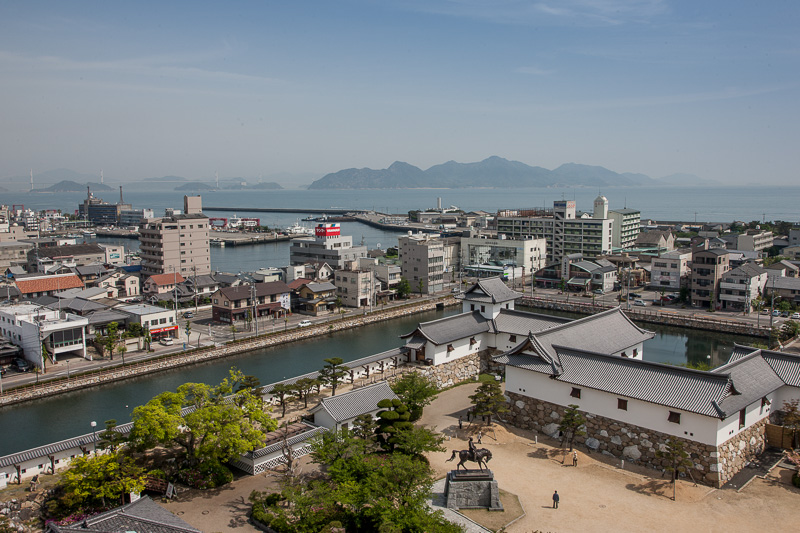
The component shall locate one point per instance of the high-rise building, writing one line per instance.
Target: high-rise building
(564, 233)
(177, 243)
(627, 224)
(422, 258)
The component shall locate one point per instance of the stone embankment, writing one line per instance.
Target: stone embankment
(91, 379)
(654, 317)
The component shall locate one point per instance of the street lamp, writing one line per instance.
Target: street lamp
(94, 435)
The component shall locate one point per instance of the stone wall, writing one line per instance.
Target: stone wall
(462, 369)
(740, 449)
(712, 465)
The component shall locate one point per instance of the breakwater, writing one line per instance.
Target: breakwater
(654, 317)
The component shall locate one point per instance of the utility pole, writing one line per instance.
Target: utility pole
(255, 304)
(771, 313)
(194, 283)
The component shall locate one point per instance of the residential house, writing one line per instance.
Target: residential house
(784, 268)
(233, 304)
(125, 284)
(663, 241)
(356, 287)
(740, 288)
(670, 271)
(315, 299)
(158, 322)
(43, 334)
(72, 255)
(784, 287)
(161, 286)
(40, 285)
(90, 273)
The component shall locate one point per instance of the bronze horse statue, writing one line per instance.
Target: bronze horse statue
(479, 455)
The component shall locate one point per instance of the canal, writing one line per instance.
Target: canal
(52, 419)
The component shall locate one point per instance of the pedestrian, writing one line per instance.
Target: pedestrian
(555, 500)
(469, 414)
(574, 458)
(460, 422)
(479, 437)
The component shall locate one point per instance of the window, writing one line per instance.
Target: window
(483, 309)
(471, 307)
(450, 348)
(635, 352)
(765, 403)
(742, 418)
(674, 417)
(622, 404)
(472, 341)
(576, 392)
(512, 338)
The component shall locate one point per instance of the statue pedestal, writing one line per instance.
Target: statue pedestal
(472, 489)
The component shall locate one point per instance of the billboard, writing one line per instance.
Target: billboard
(327, 230)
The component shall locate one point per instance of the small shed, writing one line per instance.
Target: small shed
(338, 412)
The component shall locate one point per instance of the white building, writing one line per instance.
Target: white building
(564, 232)
(158, 321)
(340, 411)
(739, 288)
(44, 333)
(632, 407)
(423, 261)
(327, 246)
(627, 224)
(670, 271)
(529, 253)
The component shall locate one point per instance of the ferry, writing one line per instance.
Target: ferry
(297, 229)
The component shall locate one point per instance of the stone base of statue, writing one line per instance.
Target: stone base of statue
(472, 489)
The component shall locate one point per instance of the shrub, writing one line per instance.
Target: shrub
(206, 476)
(796, 479)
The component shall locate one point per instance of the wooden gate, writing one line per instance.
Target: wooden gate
(779, 436)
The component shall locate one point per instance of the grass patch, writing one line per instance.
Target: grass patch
(497, 520)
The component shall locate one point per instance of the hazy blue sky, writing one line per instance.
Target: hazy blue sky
(144, 89)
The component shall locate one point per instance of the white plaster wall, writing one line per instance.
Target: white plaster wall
(32, 466)
(643, 414)
(461, 348)
(729, 427)
(629, 351)
(322, 418)
(784, 394)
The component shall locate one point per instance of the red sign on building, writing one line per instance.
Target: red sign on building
(327, 230)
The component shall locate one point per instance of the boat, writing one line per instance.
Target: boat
(297, 229)
(89, 234)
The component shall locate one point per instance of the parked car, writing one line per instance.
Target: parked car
(795, 316)
(640, 303)
(598, 291)
(765, 311)
(166, 341)
(785, 314)
(21, 364)
(3, 370)
(776, 313)
(188, 314)
(455, 290)
(634, 295)
(304, 323)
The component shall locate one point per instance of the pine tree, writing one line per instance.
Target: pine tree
(571, 425)
(489, 400)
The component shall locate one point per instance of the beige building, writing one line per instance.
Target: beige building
(422, 258)
(177, 243)
(356, 286)
(708, 267)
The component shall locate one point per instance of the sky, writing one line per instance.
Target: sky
(265, 88)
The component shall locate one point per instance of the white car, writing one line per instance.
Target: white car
(167, 341)
(795, 316)
(640, 303)
(304, 323)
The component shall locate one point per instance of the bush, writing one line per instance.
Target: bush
(796, 479)
(158, 474)
(206, 476)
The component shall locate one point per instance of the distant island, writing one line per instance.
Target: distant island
(72, 186)
(195, 186)
(166, 178)
(494, 172)
(270, 185)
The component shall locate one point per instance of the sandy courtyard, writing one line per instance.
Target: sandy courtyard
(595, 496)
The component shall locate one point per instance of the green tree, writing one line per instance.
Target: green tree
(571, 425)
(791, 418)
(284, 393)
(489, 400)
(418, 440)
(111, 339)
(416, 391)
(233, 331)
(403, 288)
(676, 459)
(96, 482)
(364, 427)
(303, 388)
(393, 418)
(214, 432)
(122, 350)
(333, 373)
(420, 286)
(109, 438)
(250, 383)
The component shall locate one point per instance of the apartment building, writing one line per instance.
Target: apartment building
(740, 287)
(42, 333)
(709, 265)
(670, 271)
(41, 258)
(627, 224)
(753, 240)
(562, 230)
(526, 252)
(327, 246)
(422, 260)
(176, 243)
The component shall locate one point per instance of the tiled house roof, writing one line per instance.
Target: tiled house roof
(354, 403)
(48, 284)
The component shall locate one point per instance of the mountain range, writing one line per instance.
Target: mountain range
(494, 172)
(73, 186)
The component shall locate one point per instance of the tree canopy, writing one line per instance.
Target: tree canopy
(416, 391)
(489, 400)
(333, 373)
(571, 425)
(214, 430)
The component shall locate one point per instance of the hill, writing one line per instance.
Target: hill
(494, 172)
(269, 185)
(166, 178)
(195, 186)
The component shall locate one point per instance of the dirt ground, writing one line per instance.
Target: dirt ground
(595, 496)
(599, 496)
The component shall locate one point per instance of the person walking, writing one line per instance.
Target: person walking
(574, 458)
(555, 500)
(479, 437)
(460, 421)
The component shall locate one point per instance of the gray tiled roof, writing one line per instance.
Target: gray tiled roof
(449, 329)
(786, 366)
(782, 282)
(607, 332)
(491, 290)
(69, 250)
(358, 402)
(141, 516)
(753, 378)
(740, 351)
(749, 270)
(522, 323)
(320, 287)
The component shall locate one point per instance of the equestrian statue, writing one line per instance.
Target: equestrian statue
(476, 455)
